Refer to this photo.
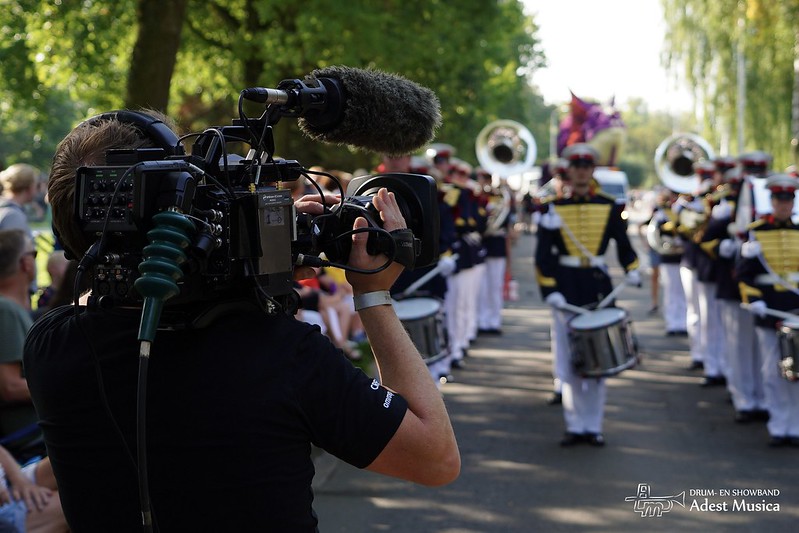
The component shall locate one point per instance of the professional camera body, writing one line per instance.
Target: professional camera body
(221, 228)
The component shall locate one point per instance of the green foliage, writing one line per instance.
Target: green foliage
(706, 38)
(29, 135)
(64, 60)
(79, 47)
(477, 56)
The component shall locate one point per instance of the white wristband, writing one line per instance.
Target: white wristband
(371, 299)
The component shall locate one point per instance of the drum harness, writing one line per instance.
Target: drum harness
(594, 261)
(785, 366)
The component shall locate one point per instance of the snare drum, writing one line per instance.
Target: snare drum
(602, 343)
(423, 319)
(788, 336)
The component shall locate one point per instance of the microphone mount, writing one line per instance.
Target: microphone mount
(320, 101)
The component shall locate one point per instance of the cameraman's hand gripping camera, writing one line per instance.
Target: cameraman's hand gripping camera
(211, 230)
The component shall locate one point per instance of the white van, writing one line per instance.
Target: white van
(615, 183)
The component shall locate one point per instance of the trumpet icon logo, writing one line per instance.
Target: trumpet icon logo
(654, 506)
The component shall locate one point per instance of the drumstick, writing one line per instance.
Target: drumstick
(424, 279)
(609, 298)
(776, 313)
(573, 308)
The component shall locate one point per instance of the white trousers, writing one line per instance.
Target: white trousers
(674, 305)
(782, 396)
(455, 304)
(476, 276)
(489, 312)
(583, 398)
(692, 313)
(560, 352)
(710, 332)
(744, 364)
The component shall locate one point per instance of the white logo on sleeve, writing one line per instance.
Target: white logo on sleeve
(375, 385)
(389, 396)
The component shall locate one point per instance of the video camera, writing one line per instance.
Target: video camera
(212, 226)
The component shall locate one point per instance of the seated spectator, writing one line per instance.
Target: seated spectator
(29, 499)
(56, 268)
(18, 185)
(18, 188)
(17, 269)
(65, 295)
(320, 294)
(336, 277)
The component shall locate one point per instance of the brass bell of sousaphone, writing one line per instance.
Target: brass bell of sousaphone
(504, 148)
(675, 158)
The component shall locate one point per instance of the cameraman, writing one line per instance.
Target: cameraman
(233, 407)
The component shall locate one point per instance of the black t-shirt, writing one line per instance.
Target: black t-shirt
(232, 411)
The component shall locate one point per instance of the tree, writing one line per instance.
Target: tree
(152, 62)
(477, 57)
(709, 38)
(474, 55)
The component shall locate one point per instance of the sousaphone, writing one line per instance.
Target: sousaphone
(675, 158)
(504, 148)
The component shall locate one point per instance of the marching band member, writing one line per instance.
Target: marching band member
(689, 280)
(437, 285)
(496, 240)
(460, 283)
(710, 333)
(674, 306)
(573, 235)
(744, 380)
(754, 166)
(768, 271)
(478, 222)
(558, 187)
(454, 199)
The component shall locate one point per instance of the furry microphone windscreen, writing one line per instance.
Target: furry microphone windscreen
(383, 112)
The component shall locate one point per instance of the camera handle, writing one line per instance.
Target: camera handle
(161, 267)
(160, 272)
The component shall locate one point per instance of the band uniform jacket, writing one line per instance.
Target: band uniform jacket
(705, 265)
(667, 224)
(690, 256)
(779, 243)
(465, 212)
(717, 230)
(562, 266)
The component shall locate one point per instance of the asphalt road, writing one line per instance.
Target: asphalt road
(662, 430)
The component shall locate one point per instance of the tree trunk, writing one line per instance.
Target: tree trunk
(154, 53)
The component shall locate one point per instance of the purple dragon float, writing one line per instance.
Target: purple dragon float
(596, 124)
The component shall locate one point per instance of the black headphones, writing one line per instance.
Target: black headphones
(150, 127)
